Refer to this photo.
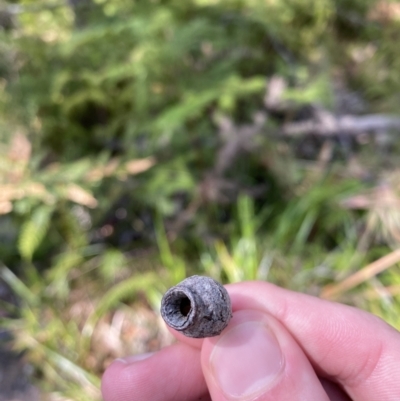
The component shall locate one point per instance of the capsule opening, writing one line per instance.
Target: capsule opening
(185, 306)
(176, 309)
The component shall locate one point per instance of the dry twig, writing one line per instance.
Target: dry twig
(369, 271)
(326, 124)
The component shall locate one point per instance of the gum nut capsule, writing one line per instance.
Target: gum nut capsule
(198, 307)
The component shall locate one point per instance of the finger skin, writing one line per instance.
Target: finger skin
(172, 374)
(193, 342)
(296, 381)
(344, 344)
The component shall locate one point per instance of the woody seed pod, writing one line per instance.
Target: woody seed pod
(198, 307)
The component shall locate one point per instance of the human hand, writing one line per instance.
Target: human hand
(279, 345)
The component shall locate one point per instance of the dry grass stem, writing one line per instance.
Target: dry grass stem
(369, 271)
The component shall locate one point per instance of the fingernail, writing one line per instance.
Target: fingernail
(134, 358)
(246, 360)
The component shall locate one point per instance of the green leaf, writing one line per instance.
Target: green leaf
(33, 231)
(17, 285)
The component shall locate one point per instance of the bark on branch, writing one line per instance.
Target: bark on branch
(326, 124)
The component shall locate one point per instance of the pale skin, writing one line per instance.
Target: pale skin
(279, 345)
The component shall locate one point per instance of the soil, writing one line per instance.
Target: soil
(14, 378)
(14, 371)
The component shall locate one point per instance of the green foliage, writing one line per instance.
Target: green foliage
(129, 159)
(33, 231)
(174, 264)
(158, 69)
(55, 350)
(62, 351)
(242, 262)
(116, 295)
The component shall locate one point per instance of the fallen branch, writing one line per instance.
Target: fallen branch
(326, 124)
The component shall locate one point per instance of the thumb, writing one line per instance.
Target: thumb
(256, 357)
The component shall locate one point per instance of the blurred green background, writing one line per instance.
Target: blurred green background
(145, 141)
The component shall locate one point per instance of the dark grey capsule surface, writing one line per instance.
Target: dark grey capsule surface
(198, 307)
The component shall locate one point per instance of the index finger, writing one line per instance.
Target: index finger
(354, 348)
